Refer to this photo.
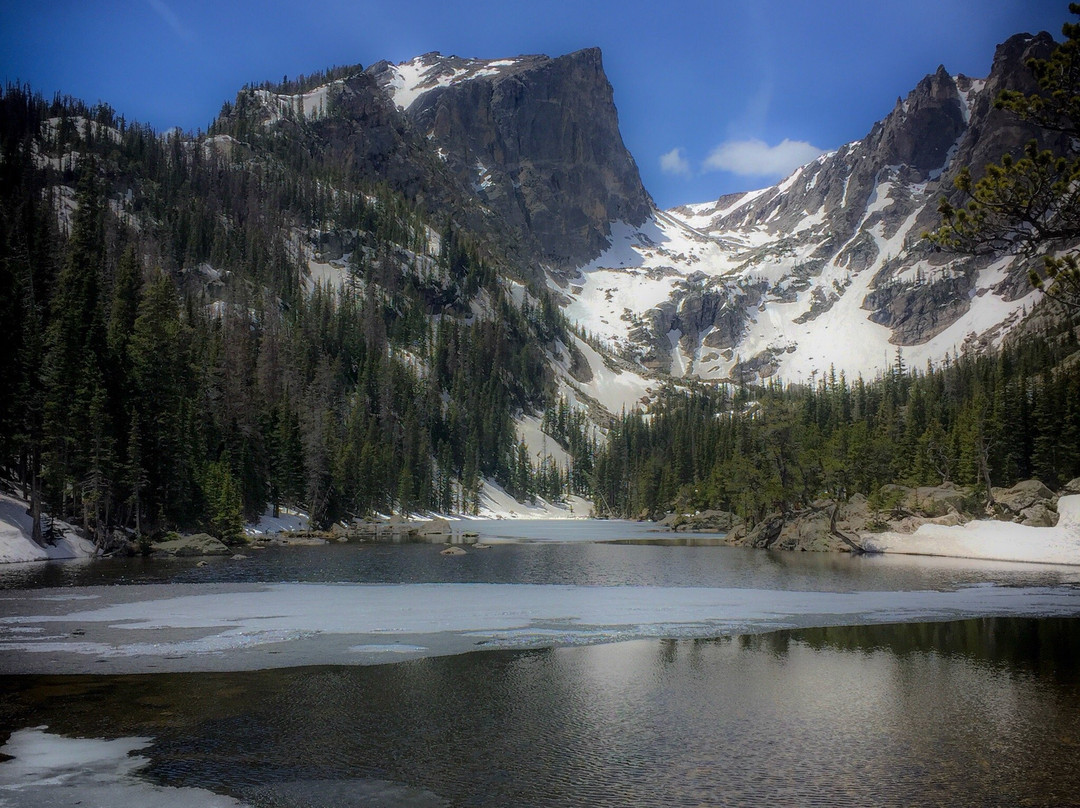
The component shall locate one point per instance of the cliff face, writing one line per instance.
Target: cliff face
(536, 139)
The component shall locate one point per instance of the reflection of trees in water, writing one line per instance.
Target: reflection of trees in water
(1047, 646)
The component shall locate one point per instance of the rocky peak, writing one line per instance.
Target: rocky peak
(992, 132)
(923, 127)
(536, 138)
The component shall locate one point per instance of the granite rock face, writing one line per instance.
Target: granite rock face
(363, 136)
(536, 139)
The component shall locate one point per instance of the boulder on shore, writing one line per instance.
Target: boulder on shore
(825, 526)
(199, 544)
(932, 500)
(702, 521)
(117, 543)
(1038, 515)
(435, 529)
(1024, 495)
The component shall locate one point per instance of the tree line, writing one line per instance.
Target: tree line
(982, 420)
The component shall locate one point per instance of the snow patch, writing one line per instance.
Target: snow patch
(995, 541)
(540, 444)
(410, 80)
(497, 503)
(16, 529)
(287, 520)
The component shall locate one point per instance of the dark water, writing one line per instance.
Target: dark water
(979, 712)
(581, 563)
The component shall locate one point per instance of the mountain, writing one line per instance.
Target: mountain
(331, 300)
(826, 268)
(526, 150)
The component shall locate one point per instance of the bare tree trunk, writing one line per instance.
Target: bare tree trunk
(982, 449)
(35, 501)
(854, 545)
(35, 515)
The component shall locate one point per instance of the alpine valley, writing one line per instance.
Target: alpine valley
(440, 286)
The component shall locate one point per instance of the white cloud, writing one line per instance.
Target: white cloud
(675, 162)
(756, 158)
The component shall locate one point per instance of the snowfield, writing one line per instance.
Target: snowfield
(410, 80)
(496, 503)
(793, 276)
(995, 541)
(645, 266)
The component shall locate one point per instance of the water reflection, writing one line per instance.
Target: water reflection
(581, 563)
(978, 712)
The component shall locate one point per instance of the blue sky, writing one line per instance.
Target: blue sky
(713, 97)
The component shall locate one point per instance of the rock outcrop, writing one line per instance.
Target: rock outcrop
(1028, 502)
(930, 500)
(701, 521)
(830, 525)
(825, 526)
(199, 544)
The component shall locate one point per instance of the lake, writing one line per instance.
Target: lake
(741, 678)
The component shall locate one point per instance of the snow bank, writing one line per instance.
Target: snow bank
(996, 541)
(286, 520)
(48, 770)
(496, 503)
(16, 528)
(541, 445)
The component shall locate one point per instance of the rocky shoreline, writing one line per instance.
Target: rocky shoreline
(395, 530)
(830, 525)
(826, 525)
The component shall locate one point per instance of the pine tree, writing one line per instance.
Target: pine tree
(74, 345)
(1029, 203)
(222, 495)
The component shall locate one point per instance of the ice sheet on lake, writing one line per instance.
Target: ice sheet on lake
(303, 620)
(48, 770)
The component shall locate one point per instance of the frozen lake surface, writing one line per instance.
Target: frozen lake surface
(550, 669)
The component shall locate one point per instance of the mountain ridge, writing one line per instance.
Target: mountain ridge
(739, 289)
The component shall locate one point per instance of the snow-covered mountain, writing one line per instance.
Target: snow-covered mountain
(828, 267)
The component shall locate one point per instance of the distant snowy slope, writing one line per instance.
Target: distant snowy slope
(827, 268)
